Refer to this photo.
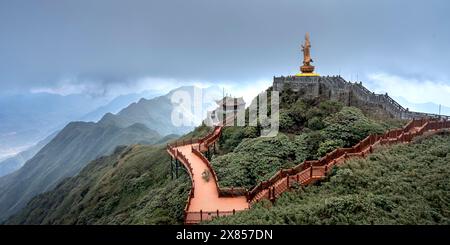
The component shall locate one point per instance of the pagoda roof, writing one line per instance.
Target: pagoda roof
(231, 101)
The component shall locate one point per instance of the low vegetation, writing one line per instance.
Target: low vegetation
(308, 130)
(406, 184)
(402, 184)
(132, 186)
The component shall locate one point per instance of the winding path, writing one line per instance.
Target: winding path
(207, 200)
(206, 194)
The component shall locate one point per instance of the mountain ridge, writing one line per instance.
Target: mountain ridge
(80, 142)
(12, 164)
(146, 195)
(64, 156)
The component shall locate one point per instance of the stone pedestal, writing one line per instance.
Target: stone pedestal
(309, 86)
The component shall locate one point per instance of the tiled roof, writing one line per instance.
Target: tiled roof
(231, 101)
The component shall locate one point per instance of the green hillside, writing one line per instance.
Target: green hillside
(402, 184)
(308, 130)
(79, 143)
(131, 186)
(65, 155)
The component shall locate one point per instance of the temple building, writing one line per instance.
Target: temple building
(227, 107)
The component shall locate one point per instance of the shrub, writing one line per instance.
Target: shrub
(254, 160)
(401, 184)
(350, 125)
(297, 112)
(286, 122)
(232, 136)
(316, 123)
(307, 144)
(330, 107)
(328, 146)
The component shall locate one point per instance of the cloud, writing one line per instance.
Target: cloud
(99, 39)
(69, 86)
(96, 88)
(7, 152)
(246, 89)
(412, 89)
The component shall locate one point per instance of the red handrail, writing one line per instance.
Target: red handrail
(303, 173)
(338, 156)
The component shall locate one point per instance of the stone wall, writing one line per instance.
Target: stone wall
(351, 94)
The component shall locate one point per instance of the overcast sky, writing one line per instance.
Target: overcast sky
(112, 46)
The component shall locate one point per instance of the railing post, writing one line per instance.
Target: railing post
(234, 211)
(287, 180)
(176, 167)
(201, 215)
(171, 167)
(217, 212)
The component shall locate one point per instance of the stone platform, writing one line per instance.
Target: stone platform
(350, 94)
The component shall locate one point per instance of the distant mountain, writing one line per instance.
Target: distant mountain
(116, 105)
(14, 163)
(27, 118)
(80, 142)
(65, 156)
(156, 113)
(168, 138)
(423, 107)
(131, 186)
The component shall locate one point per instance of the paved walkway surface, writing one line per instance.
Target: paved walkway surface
(206, 196)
